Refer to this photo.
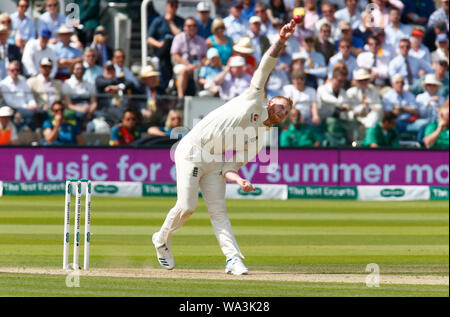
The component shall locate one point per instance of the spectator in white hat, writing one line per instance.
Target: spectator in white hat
(208, 73)
(244, 48)
(364, 100)
(204, 20)
(260, 42)
(150, 87)
(429, 101)
(233, 80)
(66, 55)
(8, 132)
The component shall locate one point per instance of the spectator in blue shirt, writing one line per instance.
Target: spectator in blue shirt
(59, 130)
(67, 55)
(204, 20)
(92, 69)
(51, 19)
(417, 11)
(401, 103)
(22, 25)
(248, 9)
(208, 73)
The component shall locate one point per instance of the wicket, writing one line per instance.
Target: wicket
(87, 223)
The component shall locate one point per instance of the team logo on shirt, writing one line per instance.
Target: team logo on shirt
(254, 118)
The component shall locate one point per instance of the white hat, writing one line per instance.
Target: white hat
(212, 52)
(300, 55)
(149, 71)
(4, 29)
(255, 19)
(244, 45)
(431, 79)
(6, 111)
(237, 61)
(362, 74)
(203, 6)
(64, 29)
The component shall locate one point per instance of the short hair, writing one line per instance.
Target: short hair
(14, 62)
(388, 116)
(298, 74)
(404, 40)
(373, 37)
(5, 15)
(190, 18)
(340, 69)
(327, 4)
(345, 41)
(119, 50)
(392, 8)
(90, 50)
(58, 102)
(260, 5)
(288, 100)
(397, 77)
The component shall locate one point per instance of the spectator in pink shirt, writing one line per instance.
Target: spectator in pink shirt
(311, 15)
(188, 52)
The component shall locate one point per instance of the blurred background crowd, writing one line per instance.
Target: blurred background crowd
(360, 73)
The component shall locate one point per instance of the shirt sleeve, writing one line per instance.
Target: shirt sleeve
(263, 71)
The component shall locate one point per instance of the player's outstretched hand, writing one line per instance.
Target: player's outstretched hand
(288, 30)
(246, 186)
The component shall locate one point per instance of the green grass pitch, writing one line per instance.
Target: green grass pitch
(294, 236)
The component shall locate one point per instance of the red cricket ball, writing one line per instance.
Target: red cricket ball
(297, 18)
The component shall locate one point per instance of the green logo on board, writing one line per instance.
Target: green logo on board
(110, 189)
(397, 192)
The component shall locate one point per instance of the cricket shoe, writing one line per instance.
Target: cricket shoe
(163, 254)
(235, 266)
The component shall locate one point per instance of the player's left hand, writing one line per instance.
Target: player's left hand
(246, 186)
(288, 30)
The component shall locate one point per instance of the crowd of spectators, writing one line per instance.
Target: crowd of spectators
(359, 73)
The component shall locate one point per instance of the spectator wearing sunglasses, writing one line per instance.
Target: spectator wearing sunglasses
(59, 130)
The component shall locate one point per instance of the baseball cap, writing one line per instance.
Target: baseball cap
(46, 33)
(417, 32)
(237, 61)
(442, 37)
(6, 111)
(255, 19)
(203, 6)
(300, 55)
(212, 52)
(45, 61)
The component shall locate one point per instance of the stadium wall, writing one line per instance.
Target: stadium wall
(362, 174)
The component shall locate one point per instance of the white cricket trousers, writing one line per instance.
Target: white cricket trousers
(207, 176)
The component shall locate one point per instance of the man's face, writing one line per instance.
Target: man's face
(237, 71)
(339, 81)
(109, 73)
(255, 27)
(351, 4)
(363, 84)
(90, 58)
(45, 70)
(398, 85)
(43, 41)
(52, 7)
(298, 83)
(373, 47)
(295, 117)
(236, 11)
(172, 7)
(22, 7)
(65, 38)
(404, 47)
(394, 16)
(309, 43)
(443, 45)
(278, 109)
(440, 68)
(325, 31)
(129, 120)
(261, 13)
(78, 70)
(344, 48)
(203, 15)
(13, 71)
(444, 5)
(328, 12)
(190, 27)
(389, 125)
(119, 58)
(5, 121)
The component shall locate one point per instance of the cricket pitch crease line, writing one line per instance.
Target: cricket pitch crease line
(253, 275)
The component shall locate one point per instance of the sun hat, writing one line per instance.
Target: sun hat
(149, 71)
(362, 74)
(244, 45)
(6, 111)
(431, 79)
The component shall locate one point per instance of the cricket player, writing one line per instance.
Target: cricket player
(194, 171)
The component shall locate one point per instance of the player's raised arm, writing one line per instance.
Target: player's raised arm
(269, 59)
